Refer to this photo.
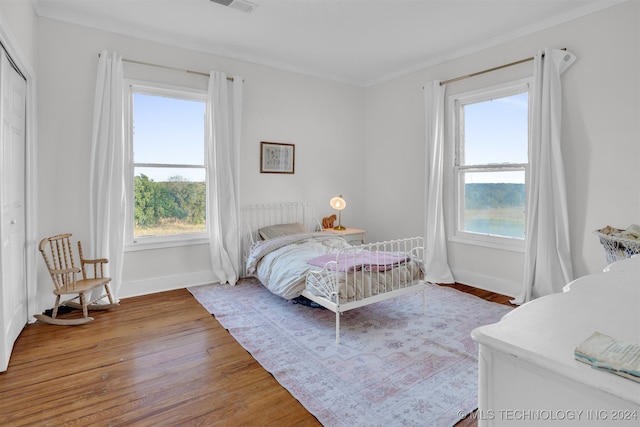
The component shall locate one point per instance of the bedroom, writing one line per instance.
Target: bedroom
(322, 117)
(600, 126)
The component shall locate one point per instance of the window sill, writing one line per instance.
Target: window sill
(151, 243)
(502, 243)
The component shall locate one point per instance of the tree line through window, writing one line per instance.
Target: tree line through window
(169, 171)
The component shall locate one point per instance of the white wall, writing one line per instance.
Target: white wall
(19, 22)
(600, 141)
(323, 119)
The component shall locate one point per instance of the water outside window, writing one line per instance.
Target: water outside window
(494, 156)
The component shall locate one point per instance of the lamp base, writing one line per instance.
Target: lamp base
(339, 227)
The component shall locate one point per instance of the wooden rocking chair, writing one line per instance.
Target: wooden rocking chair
(58, 256)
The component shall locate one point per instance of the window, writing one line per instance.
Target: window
(491, 165)
(167, 185)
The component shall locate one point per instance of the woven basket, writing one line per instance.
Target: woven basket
(617, 248)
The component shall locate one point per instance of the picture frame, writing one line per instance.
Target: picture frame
(276, 157)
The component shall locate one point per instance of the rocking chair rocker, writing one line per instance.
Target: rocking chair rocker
(58, 256)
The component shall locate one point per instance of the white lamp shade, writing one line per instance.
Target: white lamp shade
(338, 203)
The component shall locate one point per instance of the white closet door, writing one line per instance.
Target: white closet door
(13, 290)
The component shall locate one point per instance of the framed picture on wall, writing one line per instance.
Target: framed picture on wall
(277, 158)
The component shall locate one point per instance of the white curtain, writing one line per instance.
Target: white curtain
(547, 256)
(224, 106)
(106, 181)
(438, 270)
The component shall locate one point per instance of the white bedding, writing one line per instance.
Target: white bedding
(281, 263)
(365, 283)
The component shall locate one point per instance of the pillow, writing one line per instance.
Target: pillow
(281, 230)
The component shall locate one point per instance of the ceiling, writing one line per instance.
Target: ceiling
(361, 42)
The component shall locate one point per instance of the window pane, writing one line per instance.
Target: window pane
(494, 203)
(496, 131)
(174, 202)
(173, 174)
(168, 130)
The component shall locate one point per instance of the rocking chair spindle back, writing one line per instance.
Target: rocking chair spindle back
(67, 280)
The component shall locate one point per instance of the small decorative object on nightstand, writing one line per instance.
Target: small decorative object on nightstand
(327, 221)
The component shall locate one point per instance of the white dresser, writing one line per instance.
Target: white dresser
(528, 375)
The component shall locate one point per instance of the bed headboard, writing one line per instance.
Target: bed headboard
(256, 216)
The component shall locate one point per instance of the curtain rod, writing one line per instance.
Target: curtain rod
(488, 70)
(166, 67)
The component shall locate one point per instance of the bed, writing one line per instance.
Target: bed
(293, 259)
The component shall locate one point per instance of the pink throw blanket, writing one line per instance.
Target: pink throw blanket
(369, 261)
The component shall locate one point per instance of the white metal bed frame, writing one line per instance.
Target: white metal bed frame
(258, 215)
(326, 285)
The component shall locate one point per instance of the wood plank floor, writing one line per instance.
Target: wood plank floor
(158, 359)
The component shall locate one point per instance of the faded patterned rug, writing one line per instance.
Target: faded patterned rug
(394, 366)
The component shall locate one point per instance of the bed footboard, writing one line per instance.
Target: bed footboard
(362, 275)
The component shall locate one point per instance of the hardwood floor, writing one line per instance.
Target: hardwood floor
(158, 359)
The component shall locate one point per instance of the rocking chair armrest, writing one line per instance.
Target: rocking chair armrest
(95, 261)
(93, 268)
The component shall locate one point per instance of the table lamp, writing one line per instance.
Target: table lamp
(338, 204)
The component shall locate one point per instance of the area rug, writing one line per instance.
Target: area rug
(394, 366)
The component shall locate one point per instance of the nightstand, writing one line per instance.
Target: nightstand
(354, 236)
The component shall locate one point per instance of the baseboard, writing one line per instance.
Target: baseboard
(167, 283)
(488, 283)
